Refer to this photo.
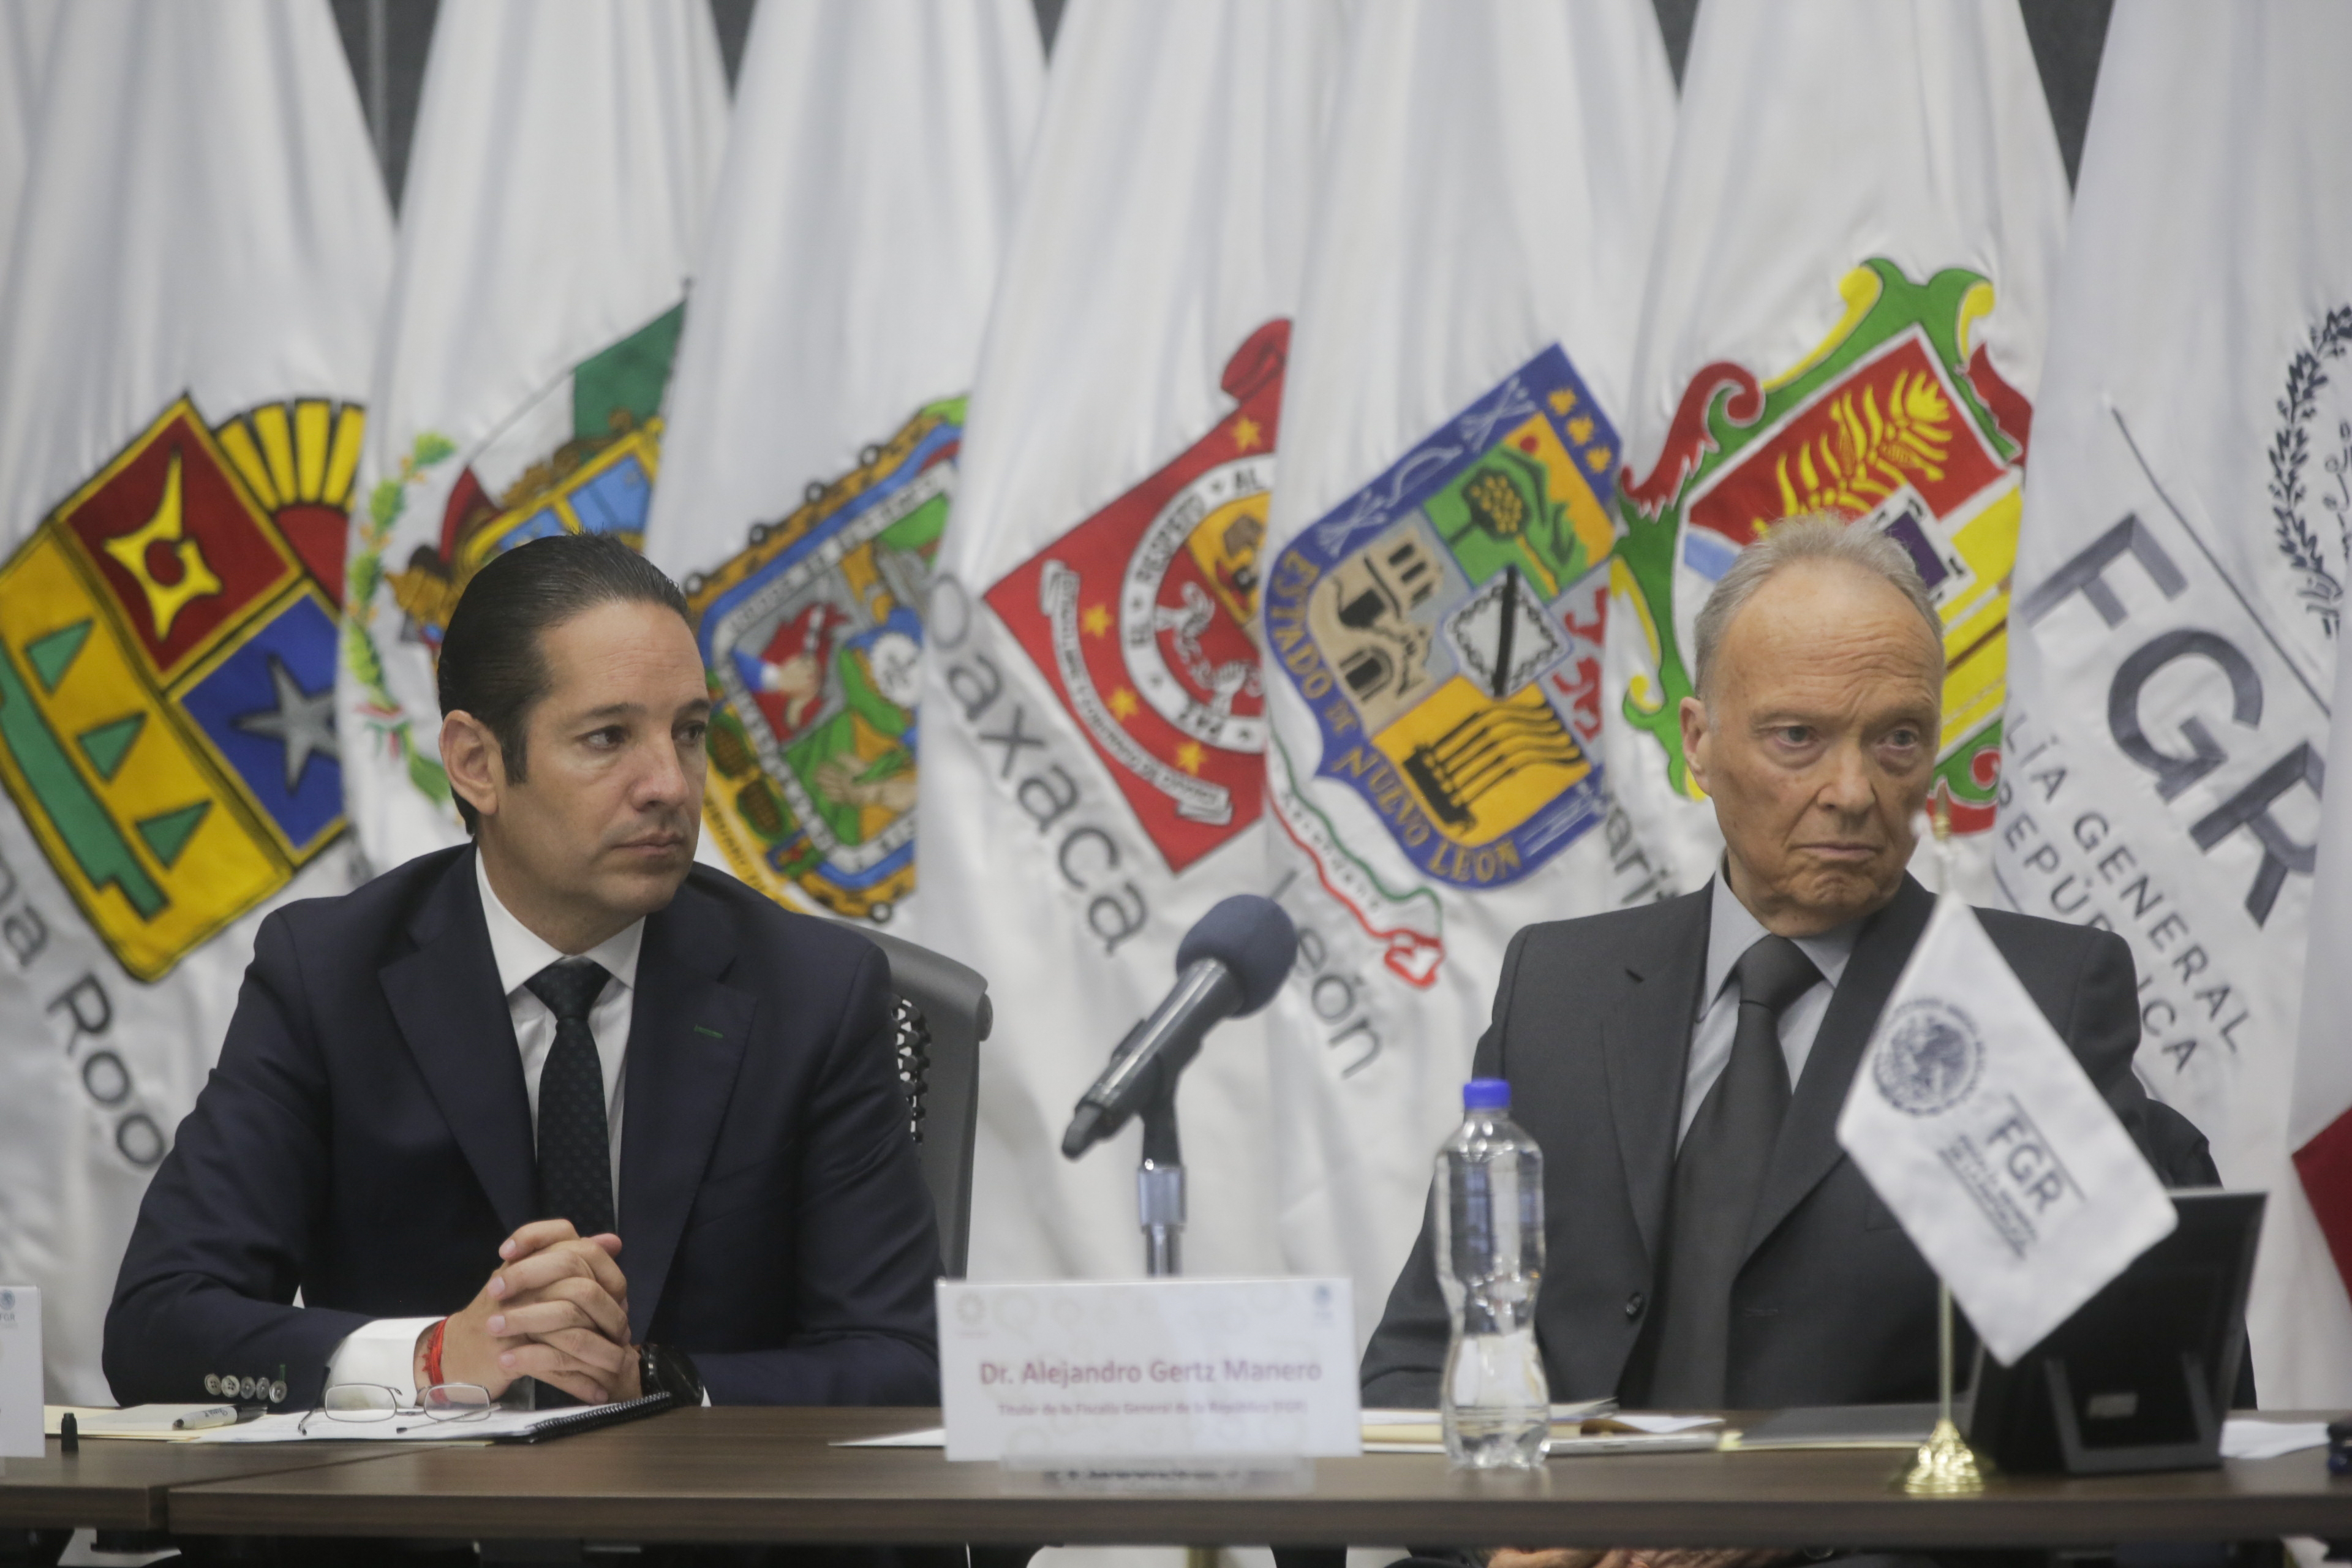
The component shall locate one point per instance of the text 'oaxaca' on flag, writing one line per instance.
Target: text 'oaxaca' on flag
(1438, 563)
(809, 460)
(1848, 299)
(2180, 591)
(561, 170)
(1094, 706)
(1980, 1130)
(180, 421)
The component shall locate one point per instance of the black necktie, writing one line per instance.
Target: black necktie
(1717, 1179)
(576, 1169)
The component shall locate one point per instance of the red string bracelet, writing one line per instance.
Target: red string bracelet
(433, 1356)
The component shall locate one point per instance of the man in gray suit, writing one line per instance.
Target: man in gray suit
(1683, 1064)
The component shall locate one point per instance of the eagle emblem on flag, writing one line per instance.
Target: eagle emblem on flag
(579, 457)
(167, 672)
(1143, 619)
(813, 640)
(1895, 423)
(1444, 625)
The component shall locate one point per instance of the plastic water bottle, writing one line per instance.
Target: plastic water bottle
(1497, 1401)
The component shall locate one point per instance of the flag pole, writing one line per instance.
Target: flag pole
(1945, 1465)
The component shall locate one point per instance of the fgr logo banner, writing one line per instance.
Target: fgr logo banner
(1977, 1127)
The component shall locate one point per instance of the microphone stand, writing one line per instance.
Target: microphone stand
(1160, 1183)
(1160, 1205)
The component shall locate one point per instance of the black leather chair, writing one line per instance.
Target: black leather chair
(943, 1015)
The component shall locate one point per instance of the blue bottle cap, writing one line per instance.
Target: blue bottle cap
(1487, 1094)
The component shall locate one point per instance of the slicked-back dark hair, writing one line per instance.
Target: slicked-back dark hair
(493, 658)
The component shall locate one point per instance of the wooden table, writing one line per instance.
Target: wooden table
(117, 1485)
(768, 1475)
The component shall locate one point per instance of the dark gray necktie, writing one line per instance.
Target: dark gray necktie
(1716, 1178)
(575, 1168)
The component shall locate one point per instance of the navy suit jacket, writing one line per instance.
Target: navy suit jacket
(366, 1139)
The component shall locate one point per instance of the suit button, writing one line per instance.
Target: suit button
(1634, 1303)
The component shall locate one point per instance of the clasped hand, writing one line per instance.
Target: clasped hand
(557, 1308)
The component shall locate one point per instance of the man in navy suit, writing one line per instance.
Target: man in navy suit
(559, 1104)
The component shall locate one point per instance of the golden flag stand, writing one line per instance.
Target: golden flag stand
(1945, 1466)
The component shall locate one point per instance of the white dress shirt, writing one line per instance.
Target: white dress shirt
(1731, 930)
(385, 1352)
(521, 953)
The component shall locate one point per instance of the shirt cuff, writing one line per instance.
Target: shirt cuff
(383, 1352)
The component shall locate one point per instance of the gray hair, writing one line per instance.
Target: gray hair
(1810, 536)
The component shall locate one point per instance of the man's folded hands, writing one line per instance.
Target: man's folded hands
(556, 1308)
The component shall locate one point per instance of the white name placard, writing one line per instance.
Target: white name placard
(20, 1371)
(1149, 1368)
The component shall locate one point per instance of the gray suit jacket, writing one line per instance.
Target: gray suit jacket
(1833, 1306)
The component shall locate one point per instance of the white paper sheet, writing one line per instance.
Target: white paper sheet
(2245, 1440)
(1401, 1432)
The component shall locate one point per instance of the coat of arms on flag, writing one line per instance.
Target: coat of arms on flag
(812, 639)
(1143, 619)
(167, 672)
(1893, 423)
(580, 458)
(1444, 623)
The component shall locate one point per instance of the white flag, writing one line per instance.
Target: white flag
(202, 251)
(1987, 1138)
(1439, 560)
(1849, 295)
(2180, 591)
(1094, 709)
(810, 453)
(25, 28)
(2310, 1317)
(565, 155)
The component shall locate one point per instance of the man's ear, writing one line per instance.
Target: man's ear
(1696, 736)
(471, 757)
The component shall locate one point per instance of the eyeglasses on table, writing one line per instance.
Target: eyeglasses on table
(365, 1402)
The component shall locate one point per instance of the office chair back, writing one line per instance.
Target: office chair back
(943, 1014)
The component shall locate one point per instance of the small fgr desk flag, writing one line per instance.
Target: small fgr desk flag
(1984, 1135)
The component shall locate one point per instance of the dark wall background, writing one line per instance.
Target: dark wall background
(386, 41)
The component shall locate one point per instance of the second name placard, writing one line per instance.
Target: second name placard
(1157, 1368)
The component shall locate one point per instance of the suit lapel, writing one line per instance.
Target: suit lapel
(1807, 1148)
(687, 1036)
(1645, 1043)
(451, 1010)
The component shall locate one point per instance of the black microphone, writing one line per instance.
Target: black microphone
(1229, 965)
